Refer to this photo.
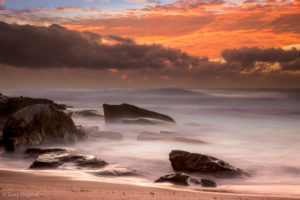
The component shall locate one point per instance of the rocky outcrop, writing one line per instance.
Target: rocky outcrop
(177, 179)
(37, 124)
(54, 158)
(130, 114)
(194, 162)
(9, 105)
(166, 136)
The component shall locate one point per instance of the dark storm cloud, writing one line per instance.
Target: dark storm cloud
(55, 46)
(291, 66)
(248, 56)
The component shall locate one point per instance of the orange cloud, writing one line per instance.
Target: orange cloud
(202, 28)
(196, 29)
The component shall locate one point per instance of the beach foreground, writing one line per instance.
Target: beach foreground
(27, 185)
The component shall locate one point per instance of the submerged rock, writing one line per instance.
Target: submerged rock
(55, 157)
(166, 136)
(177, 178)
(126, 113)
(207, 183)
(110, 135)
(85, 113)
(194, 162)
(112, 170)
(37, 151)
(103, 135)
(37, 124)
(143, 121)
(203, 182)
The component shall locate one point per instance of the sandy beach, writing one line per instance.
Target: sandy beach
(28, 185)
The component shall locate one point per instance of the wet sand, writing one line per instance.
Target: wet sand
(28, 185)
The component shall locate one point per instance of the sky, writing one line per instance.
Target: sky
(150, 43)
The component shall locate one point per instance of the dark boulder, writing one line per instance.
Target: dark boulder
(194, 162)
(37, 124)
(126, 113)
(177, 179)
(54, 158)
(9, 105)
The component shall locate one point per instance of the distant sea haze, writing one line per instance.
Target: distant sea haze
(256, 130)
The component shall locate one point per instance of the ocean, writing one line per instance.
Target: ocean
(257, 130)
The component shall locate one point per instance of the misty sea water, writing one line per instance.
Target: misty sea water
(257, 130)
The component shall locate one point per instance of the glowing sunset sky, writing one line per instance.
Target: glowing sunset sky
(149, 43)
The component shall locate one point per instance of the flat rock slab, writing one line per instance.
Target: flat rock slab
(56, 157)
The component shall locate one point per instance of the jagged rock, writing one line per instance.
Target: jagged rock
(126, 113)
(166, 136)
(177, 178)
(55, 157)
(115, 171)
(37, 124)
(194, 162)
